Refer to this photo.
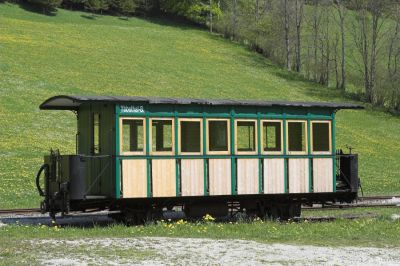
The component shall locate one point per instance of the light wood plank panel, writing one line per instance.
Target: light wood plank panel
(134, 178)
(298, 176)
(163, 177)
(220, 176)
(247, 174)
(192, 177)
(274, 176)
(323, 174)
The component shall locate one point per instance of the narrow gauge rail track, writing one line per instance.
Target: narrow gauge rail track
(362, 202)
(18, 211)
(371, 198)
(349, 206)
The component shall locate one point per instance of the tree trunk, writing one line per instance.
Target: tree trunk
(336, 43)
(315, 33)
(257, 10)
(367, 84)
(234, 2)
(375, 31)
(299, 17)
(343, 39)
(287, 41)
(211, 17)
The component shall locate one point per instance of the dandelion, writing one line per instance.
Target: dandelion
(181, 222)
(208, 218)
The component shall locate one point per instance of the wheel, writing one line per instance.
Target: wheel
(289, 211)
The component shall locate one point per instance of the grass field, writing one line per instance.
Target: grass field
(71, 53)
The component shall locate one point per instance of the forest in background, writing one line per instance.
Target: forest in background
(352, 45)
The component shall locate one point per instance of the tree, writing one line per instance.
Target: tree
(299, 6)
(393, 73)
(341, 10)
(286, 26)
(367, 33)
(316, 17)
(97, 5)
(47, 5)
(126, 7)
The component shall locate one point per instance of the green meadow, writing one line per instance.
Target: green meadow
(75, 53)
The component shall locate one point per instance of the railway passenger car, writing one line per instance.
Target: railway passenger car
(140, 155)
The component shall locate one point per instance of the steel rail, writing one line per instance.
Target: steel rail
(17, 211)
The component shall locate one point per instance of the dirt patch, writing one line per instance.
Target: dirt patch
(187, 251)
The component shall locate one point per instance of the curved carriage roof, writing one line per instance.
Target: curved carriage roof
(72, 102)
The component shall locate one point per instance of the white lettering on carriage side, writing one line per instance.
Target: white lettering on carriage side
(132, 109)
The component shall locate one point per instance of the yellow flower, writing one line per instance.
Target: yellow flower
(208, 218)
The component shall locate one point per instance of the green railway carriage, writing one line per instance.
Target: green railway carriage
(142, 154)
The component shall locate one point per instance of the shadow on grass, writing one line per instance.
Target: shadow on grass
(164, 19)
(89, 16)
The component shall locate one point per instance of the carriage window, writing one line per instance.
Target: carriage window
(162, 135)
(96, 133)
(190, 136)
(245, 136)
(297, 136)
(272, 136)
(133, 136)
(321, 137)
(218, 136)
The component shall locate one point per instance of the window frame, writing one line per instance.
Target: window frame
(262, 136)
(330, 137)
(305, 137)
(227, 152)
(200, 120)
(121, 133)
(255, 152)
(151, 136)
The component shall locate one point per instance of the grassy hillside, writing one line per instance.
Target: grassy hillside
(41, 56)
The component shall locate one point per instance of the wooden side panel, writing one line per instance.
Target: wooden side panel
(298, 176)
(192, 177)
(274, 176)
(163, 177)
(323, 174)
(220, 176)
(134, 179)
(247, 175)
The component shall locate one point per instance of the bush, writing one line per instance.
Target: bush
(47, 5)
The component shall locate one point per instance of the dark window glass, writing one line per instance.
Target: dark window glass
(320, 137)
(218, 135)
(190, 136)
(297, 136)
